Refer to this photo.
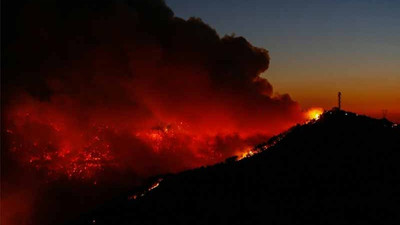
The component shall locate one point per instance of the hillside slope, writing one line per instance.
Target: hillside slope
(342, 169)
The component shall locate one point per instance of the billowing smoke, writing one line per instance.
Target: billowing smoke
(90, 87)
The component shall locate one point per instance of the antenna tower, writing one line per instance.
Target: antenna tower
(384, 113)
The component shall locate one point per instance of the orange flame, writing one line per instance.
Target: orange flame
(314, 113)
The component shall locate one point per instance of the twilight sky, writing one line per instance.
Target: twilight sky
(318, 47)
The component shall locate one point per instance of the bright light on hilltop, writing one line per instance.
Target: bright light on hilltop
(314, 113)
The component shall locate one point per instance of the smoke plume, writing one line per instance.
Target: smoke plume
(90, 87)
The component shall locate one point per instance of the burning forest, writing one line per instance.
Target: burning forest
(95, 88)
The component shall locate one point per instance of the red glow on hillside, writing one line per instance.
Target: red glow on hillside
(95, 89)
(80, 141)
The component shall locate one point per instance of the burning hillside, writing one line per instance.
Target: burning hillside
(95, 87)
(128, 85)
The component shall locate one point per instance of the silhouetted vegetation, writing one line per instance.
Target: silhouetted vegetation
(342, 169)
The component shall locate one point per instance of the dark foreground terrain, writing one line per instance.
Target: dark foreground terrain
(342, 169)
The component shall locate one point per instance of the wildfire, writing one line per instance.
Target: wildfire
(247, 153)
(152, 187)
(82, 158)
(155, 185)
(314, 113)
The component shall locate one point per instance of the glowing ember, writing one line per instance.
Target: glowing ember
(155, 185)
(247, 153)
(152, 187)
(314, 113)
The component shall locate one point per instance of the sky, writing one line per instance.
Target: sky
(318, 48)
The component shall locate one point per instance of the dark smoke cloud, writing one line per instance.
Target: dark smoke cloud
(90, 87)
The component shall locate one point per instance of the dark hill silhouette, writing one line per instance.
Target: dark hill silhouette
(342, 169)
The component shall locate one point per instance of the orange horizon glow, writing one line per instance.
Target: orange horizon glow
(369, 89)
